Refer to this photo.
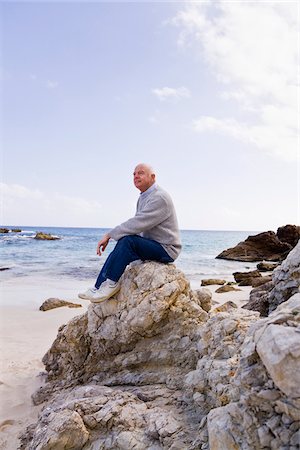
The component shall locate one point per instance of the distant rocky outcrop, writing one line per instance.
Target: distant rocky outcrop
(52, 303)
(266, 246)
(4, 230)
(45, 236)
(13, 230)
(150, 369)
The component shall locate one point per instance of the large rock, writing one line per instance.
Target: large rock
(131, 354)
(289, 234)
(149, 369)
(251, 392)
(246, 278)
(263, 246)
(285, 283)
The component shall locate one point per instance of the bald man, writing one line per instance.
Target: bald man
(152, 234)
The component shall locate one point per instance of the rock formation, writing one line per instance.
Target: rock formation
(265, 246)
(246, 278)
(150, 369)
(52, 303)
(285, 282)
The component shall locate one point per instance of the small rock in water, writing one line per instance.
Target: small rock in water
(52, 303)
(45, 237)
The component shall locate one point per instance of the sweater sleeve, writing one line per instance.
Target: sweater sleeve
(153, 213)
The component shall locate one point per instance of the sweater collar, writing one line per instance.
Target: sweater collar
(148, 191)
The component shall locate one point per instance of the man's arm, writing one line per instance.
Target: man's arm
(153, 213)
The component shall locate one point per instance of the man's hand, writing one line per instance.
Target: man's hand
(102, 244)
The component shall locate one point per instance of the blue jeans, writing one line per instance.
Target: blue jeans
(128, 249)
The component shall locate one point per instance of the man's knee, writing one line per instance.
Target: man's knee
(127, 240)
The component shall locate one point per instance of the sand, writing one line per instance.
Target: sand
(27, 333)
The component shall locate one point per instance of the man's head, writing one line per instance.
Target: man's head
(143, 177)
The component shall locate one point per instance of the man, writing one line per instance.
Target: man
(152, 234)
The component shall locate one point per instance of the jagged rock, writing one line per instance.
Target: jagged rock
(259, 281)
(246, 278)
(259, 299)
(212, 281)
(226, 288)
(285, 279)
(52, 303)
(204, 297)
(265, 266)
(153, 320)
(149, 369)
(16, 230)
(262, 246)
(251, 393)
(4, 230)
(45, 236)
(144, 341)
(289, 234)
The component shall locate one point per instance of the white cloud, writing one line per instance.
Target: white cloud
(51, 84)
(175, 94)
(252, 49)
(24, 206)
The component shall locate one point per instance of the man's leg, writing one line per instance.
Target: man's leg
(128, 249)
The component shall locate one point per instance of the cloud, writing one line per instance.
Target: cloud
(51, 84)
(24, 206)
(175, 94)
(252, 49)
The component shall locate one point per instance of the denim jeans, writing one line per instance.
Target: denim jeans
(128, 249)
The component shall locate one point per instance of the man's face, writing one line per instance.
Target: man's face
(143, 178)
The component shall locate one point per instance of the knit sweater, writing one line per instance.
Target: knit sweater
(155, 219)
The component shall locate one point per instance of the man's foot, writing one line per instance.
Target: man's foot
(107, 289)
(88, 295)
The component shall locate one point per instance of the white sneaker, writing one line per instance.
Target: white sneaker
(106, 290)
(87, 295)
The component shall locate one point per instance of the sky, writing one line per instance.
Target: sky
(205, 92)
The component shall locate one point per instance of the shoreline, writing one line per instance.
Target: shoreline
(27, 333)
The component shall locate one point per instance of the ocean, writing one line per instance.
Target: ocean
(73, 256)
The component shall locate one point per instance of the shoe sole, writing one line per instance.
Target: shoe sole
(102, 299)
(84, 297)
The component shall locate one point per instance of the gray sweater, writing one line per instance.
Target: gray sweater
(155, 219)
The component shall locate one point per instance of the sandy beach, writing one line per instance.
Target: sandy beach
(27, 333)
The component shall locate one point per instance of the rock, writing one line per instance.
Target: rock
(250, 384)
(63, 429)
(285, 279)
(279, 350)
(45, 237)
(150, 369)
(4, 268)
(204, 297)
(289, 234)
(265, 266)
(212, 281)
(262, 246)
(259, 298)
(259, 281)
(121, 366)
(245, 278)
(4, 230)
(52, 303)
(115, 339)
(16, 230)
(226, 288)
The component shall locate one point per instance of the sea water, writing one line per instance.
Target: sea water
(73, 255)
